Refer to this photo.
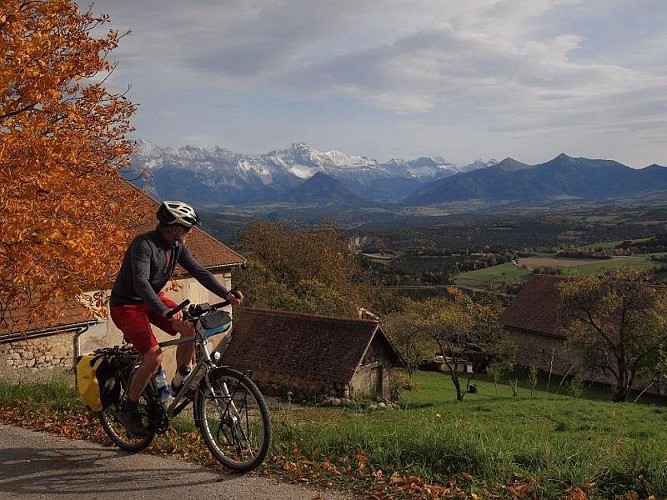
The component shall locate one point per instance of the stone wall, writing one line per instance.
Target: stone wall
(373, 376)
(299, 388)
(37, 359)
(552, 354)
(549, 354)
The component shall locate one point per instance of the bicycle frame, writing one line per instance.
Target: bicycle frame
(203, 366)
(205, 362)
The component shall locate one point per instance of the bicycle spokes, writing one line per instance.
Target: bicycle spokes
(234, 421)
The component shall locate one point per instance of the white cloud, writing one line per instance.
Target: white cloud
(502, 68)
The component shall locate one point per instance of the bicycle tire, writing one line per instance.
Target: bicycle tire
(116, 431)
(239, 440)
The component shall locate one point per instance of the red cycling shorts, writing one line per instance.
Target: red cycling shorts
(134, 320)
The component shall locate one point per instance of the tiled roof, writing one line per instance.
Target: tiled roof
(535, 308)
(302, 345)
(18, 321)
(207, 250)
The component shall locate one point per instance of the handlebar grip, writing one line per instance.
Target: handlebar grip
(219, 305)
(179, 307)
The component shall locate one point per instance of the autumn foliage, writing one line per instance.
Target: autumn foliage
(617, 323)
(62, 141)
(298, 269)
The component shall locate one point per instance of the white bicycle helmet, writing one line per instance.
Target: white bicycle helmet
(177, 212)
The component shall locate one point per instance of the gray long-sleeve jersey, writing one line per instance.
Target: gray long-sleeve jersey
(145, 271)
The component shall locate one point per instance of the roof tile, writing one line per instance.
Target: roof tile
(535, 308)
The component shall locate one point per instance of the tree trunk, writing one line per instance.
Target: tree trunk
(620, 394)
(457, 384)
(622, 389)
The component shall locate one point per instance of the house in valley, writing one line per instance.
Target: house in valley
(312, 356)
(531, 321)
(39, 348)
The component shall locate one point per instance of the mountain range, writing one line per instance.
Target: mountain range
(561, 178)
(302, 175)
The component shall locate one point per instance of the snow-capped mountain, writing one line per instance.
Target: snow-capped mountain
(220, 176)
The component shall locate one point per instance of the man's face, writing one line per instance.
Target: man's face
(178, 233)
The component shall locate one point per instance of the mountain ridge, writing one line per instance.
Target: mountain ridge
(220, 176)
(561, 177)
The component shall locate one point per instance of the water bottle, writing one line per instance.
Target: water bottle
(162, 385)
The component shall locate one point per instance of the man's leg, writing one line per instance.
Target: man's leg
(184, 352)
(129, 415)
(144, 373)
(133, 321)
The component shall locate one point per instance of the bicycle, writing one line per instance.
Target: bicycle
(229, 409)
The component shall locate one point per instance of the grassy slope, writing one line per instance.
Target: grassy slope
(542, 446)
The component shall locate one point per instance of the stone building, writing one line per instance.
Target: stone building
(312, 356)
(532, 322)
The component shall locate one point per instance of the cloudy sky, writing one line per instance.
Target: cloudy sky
(526, 79)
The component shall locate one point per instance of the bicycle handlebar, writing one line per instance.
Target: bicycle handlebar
(178, 308)
(196, 310)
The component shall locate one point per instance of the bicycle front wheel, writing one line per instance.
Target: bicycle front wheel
(234, 420)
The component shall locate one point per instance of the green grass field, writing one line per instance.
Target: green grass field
(551, 441)
(640, 263)
(487, 277)
(510, 273)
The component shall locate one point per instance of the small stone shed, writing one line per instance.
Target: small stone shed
(312, 356)
(35, 350)
(45, 346)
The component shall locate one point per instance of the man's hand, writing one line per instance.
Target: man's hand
(185, 328)
(235, 297)
(176, 317)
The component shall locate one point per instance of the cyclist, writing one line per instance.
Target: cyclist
(137, 300)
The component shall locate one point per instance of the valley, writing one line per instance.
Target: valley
(493, 247)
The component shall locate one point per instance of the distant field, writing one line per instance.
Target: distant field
(485, 278)
(605, 265)
(379, 256)
(512, 273)
(534, 262)
(612, 244)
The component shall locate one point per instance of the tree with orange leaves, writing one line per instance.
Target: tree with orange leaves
(62, 142)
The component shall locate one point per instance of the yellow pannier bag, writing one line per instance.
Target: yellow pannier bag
(96, 381)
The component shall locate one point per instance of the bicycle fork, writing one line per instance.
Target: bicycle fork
(227, 410)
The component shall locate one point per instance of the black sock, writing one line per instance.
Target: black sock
(131, 406)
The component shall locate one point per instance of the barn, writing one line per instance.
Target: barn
(312, 356)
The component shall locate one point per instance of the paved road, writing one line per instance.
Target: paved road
(36, 465)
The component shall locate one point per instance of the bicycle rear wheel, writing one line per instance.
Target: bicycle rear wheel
(116, 431)
(234, 420)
